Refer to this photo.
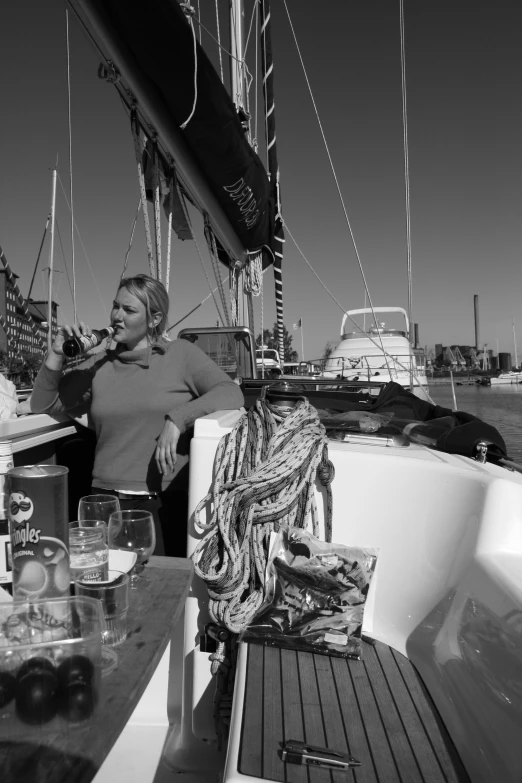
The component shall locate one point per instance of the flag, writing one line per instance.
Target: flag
(298, 324)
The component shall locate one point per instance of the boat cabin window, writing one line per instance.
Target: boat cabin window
(230, 351)
(267, 354)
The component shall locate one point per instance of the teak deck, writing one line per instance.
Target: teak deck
(376, 708)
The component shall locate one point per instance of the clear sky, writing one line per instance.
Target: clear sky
(464, 88)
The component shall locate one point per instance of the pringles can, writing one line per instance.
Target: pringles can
(38, 524)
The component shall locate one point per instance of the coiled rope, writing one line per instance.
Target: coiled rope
(265, 471)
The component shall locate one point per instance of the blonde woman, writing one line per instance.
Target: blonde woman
(142, 396)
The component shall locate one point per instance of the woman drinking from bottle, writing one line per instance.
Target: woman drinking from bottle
(142, 397)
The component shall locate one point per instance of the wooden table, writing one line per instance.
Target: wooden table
(76, 755)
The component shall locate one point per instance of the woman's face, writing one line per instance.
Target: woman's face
(129, 320)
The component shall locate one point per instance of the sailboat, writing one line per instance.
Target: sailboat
(437, 695)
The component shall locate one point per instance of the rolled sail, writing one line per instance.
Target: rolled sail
(164, 50)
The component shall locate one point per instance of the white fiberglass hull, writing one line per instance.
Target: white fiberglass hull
(447, 593)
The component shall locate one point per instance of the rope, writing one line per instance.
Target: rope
(254, 275)
(102, 302)
(189, 13)
(219, 42)
(141, 178)
(157, 213)
(265, 471)
(169, 234)
(133, 229)
(212, 249)
(187, 218)
(406, 166)
(70, 164)
(234, 303)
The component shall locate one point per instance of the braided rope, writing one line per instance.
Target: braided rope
(254, 275)
(265, 471)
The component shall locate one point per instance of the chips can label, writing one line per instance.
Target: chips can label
(37, 510)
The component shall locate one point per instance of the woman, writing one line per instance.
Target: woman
(142, 398)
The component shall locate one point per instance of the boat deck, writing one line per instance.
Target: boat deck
(376, 708)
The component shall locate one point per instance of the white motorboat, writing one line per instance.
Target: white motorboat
(506, 378)
(381, 353)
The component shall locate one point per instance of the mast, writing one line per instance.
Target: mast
(515, 341)
(51, 268)
(273, 167)
(238, 95)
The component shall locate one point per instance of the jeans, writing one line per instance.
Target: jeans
(169, 510)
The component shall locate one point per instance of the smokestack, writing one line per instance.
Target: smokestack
(415, 335)
(475, 306)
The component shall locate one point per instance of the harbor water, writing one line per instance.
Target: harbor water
(500, 406)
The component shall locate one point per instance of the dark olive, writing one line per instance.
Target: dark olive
(77, 701)
(35, 664)
(7, 688)
(36, 696)
(77, 668)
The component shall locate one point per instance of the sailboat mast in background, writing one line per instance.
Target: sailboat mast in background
(51, 267)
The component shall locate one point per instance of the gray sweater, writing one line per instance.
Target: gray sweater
(128, 395)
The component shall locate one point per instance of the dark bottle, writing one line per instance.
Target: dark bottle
(74, 346)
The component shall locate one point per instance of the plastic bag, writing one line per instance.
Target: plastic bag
(316, 593)
(8, 399)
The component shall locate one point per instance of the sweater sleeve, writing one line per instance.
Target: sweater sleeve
(212, 388)
(55, 392)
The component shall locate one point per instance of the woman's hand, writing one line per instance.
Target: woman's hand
(165, 453)
(55, 357)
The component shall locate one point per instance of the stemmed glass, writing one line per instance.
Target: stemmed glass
(133, 531)
(98, 507)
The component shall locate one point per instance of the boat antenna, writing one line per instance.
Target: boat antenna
(406, 166)
(70, 164)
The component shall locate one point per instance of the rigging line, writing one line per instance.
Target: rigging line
(70, 161)
(133, 229)
(19, 324)
(199, 17)
(225, 50)
(250, 27)
(339, 305)
(333, 170)
(63, 257)
(187, 218)
(196, 307)
(406, 165)
(219, 42)
(84, 250)
(191, 23)
(256, 84)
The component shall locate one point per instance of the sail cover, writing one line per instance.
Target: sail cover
(164, 49)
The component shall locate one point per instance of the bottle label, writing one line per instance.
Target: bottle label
(92, 573)
(89, 342)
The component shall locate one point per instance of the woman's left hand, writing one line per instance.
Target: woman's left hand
(165, 453)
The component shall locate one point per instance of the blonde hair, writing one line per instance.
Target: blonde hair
(153, 294)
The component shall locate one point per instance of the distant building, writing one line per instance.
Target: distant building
(21, 332)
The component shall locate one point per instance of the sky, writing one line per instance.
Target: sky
(464, 111)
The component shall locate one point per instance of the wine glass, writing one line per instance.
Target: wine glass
(133, 531)
(98, 507)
